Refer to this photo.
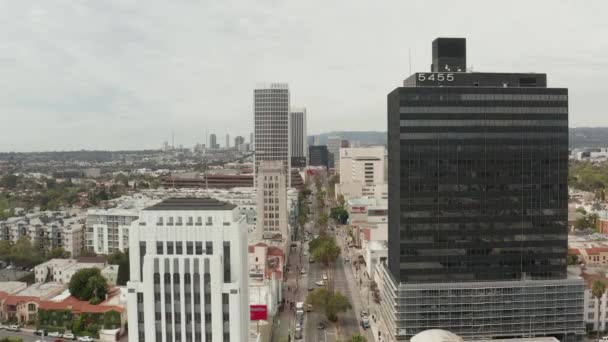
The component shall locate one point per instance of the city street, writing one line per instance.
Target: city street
(26, 336)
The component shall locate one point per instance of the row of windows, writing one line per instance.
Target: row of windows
(481, 135)
(488, 110)
(486, 97)
(466, 123)
(177, 248)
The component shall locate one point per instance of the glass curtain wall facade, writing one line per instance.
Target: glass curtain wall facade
(272, 126)
(478, 186)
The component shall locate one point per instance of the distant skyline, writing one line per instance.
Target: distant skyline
(122, 74)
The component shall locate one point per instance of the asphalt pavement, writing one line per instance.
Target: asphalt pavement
(25, 336)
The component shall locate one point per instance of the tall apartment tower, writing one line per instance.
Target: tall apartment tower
(272, 130)
(271, 200)
(189, 279)
(213, 141)
(227, 140)
(299, 141)
(478, 203)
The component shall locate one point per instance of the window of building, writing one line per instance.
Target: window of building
(189, 247)
(170, 247)
(179, 248)
(209, 247)
(199, 247)
(159, 247)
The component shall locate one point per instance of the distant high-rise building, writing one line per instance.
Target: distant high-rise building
(238, 141)
(334, 143)
(271, 199)
(478, 205)
(189, 275)
(213, 141)
(318, 156)
(271, 117)
(227, 140)
(299, 141)
(251, 142)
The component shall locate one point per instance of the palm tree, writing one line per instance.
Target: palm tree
(597, 291)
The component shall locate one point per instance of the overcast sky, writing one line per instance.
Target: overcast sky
(122, 74)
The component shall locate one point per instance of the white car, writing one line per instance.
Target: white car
(302, 271)
(320, 283)
(324, 276)
(305, 254)
(69, 336)
(55, 334)
(85, 339)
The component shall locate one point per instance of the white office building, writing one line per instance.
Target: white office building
(272, 129)
(189, 279)
(361, 172)
(108, 229)
(271, 200)
(299, 139)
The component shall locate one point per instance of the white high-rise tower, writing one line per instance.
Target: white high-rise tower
(272, 130)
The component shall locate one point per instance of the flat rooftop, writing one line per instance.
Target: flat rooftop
(44, 291)
(192, 204)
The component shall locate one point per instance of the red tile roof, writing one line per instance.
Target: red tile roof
(574, 251)
(596, 250)
(276, 251)
(15, 299)
(78, 306)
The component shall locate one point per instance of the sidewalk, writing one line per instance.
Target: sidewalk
(354, 287)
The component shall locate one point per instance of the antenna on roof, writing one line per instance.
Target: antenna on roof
(409, 53)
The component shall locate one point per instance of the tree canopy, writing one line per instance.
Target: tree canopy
(358, 338)
(330, 303)
(324, 248)
(339, 214)
(88, 284)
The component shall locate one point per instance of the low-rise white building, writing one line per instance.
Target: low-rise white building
(361, 172)
(189, 282)
(61, 270)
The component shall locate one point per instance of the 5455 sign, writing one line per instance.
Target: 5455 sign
(435, 77)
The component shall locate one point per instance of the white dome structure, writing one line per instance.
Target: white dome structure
(436, 335)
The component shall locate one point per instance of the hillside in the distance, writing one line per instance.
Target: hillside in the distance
(579, 137)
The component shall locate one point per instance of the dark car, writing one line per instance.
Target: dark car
(321, 325)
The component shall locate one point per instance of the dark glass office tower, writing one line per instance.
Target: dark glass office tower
(477, 175)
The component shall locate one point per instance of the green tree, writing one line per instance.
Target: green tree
(88, 284)
(23, 253)
(358, 338)
(122, 260)
(597, 291)
(58, 252)
(572, 259)
(331, 303)
(325, 249)
(339, 214)
(9, 181)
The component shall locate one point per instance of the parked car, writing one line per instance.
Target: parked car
(85, 339)
(324, 276)
(302, 271)
(310, 289)
(320, 283)
(55, 334)
(69, 336)
(13, 327)
(40, 332)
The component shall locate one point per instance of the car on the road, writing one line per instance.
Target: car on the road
(346, 259)
(305, 254)
(55, 334)
(364, 313)
(40, 332)
(311, 260)
(302, 271)
(13, 327)
(69, 336)
(324, 276)
(3, 327)
(320, 283)
(85, 339)
(321, 325)
(298, 334)
(310, 289)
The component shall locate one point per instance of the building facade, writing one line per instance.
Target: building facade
(272, 127)
(189, 279)
(213, 141)
(238, 141)
(360, 167)
(478, 190)
(318, 156)
(271, 200)
(299, 141)
(107, 230)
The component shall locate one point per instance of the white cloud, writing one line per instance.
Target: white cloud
(124, 74)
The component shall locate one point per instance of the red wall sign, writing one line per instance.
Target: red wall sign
(258, 312)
